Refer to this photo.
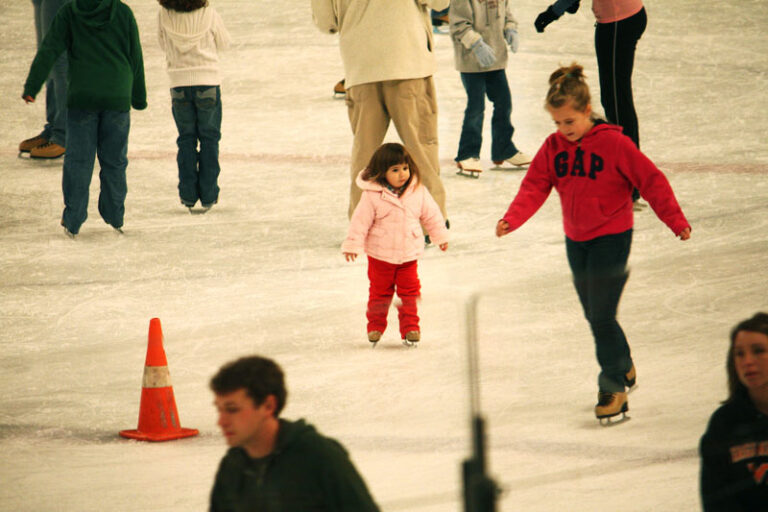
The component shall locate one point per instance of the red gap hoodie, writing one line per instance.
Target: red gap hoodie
(594, 178)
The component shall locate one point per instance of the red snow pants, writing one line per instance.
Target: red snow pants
(385, 278)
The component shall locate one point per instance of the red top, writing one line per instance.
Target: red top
(594, 178)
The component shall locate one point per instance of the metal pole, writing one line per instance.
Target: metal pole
(480, 490)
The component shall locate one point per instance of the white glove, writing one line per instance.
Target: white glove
(513, 40)
(484, 54)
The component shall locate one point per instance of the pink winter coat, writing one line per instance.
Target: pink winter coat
(388, 227)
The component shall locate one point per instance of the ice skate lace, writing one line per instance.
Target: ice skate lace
(604, 398)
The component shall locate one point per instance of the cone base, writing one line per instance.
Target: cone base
(159, 436)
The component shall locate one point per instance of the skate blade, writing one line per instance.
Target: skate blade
(469, 173)
(198, 211)
(410, 344)
(373, 344)
(630, 390)
(510, 168)
(612, 421)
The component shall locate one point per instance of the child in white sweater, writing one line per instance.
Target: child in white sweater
(191, 32)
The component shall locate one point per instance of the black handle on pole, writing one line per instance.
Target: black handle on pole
(480, 490)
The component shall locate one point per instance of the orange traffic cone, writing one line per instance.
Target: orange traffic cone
(158, 417)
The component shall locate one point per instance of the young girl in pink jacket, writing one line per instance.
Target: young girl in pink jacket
(593, 167)
(386, 225)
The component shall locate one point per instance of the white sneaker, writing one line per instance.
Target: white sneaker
(470, 164)
(519, 159)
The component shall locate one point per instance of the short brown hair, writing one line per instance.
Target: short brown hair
(183, 5)
(259, 376)
(386, 156)
(568, 84)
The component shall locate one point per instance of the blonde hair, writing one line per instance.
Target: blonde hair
(568, 84)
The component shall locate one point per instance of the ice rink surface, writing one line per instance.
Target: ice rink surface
(263, 273)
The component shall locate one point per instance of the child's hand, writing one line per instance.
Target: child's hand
(502, 228)
(28, 99)
(350, 256)
(443, 246)
(685, 234)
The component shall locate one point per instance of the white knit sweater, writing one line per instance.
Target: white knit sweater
(192, 41)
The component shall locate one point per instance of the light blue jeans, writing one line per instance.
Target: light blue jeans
(55, 129)
(103, 133)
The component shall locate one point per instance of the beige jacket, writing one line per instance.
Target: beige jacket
(381, 39)
(472, 20)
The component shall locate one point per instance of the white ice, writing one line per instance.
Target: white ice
(262, 273)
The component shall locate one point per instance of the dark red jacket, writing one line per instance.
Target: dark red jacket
(594, 178)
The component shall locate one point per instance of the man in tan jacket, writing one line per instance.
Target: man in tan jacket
(388, 55)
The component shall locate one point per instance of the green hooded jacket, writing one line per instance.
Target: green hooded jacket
(306, 472)
(106, 66)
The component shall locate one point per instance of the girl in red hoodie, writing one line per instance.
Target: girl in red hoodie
(594, 167)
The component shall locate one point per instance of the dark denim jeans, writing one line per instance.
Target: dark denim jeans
(494, 85)
(599, 269)
(90, 133)
(56, 86)
(197, 112)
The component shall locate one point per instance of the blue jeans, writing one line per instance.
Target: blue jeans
(55, 129)
(494, 85)
(599, 269)
(197, 112)
(103, 133)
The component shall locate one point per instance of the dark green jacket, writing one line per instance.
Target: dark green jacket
(106, 67)
(306, 472)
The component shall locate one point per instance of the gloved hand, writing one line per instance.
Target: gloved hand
(512, 38)
(483, 53)
(544, 19)
(573, 7)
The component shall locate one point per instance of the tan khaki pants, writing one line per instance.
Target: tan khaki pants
(412, 107)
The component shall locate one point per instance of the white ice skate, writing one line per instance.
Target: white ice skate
(516, 161)
(470, 167)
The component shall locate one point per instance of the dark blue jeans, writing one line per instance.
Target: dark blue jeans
(494, 85)
(599, 269)
(56, 86)
(89, 133)
(197, 112)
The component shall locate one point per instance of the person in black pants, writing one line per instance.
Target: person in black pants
(620, 24)
(615, 45)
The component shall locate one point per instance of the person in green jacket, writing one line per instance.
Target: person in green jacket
(276, 465)
(105, 79)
